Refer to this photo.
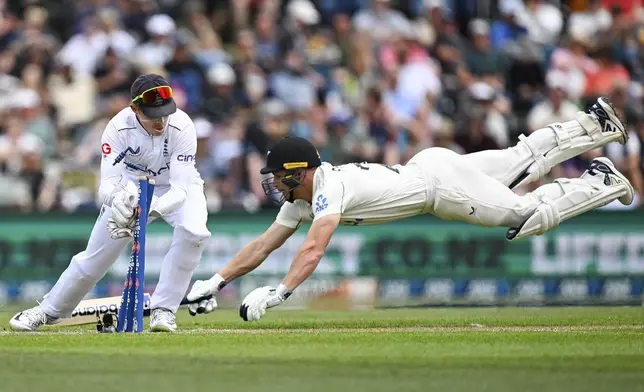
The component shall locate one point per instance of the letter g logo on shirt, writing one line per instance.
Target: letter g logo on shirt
(106, 148)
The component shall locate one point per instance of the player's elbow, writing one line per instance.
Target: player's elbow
(106, 192)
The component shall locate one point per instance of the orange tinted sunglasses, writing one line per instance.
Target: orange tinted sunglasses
(150, 96)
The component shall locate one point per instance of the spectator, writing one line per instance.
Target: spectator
(449, 50)
(484, 96)
(185, 75)
(482, 60)
(543, 20)
(223, 168)
(259, 136)
(294, 84)
(323, 53)
(472, 137)
(9, 30)
(21, 161)
(159, 49)
(574, 62)
(362, 68)
(33, 54)
(72, 96)
(250, 78)
(380, 120)
(380, 21)
(208, 49)
(118, 39)
(509, 28)
(594, 20)
(113, 75)
(343, 35)
(35, 122)
(221, 105)
(35, 31)
(83, 51)
(556, 107)
(443, 135)
(301, 16)
(268, 51)
(608, 72)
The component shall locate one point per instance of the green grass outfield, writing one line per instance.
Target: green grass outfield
(481, 349)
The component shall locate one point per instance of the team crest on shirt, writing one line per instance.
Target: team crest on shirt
(320, 203)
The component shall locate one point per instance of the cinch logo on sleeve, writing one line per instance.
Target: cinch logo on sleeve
(185, 158)
(106, 148)
(320, 203)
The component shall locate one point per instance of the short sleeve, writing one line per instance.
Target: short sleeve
(289, 215)
(329, 199)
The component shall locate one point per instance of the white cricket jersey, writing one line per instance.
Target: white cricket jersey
(364, 194)
(169, 158)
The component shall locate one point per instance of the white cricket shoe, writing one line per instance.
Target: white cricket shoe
(603, 169)
(162, 320)
(31, 319)
(608, 119)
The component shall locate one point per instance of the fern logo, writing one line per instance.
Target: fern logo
(320, 203)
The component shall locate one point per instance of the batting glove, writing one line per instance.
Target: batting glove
(202, 295)
(257, 301)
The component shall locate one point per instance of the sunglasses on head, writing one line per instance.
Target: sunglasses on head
(150, 96)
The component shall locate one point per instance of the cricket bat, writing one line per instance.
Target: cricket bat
(89, 310)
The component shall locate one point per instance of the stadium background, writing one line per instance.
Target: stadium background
(373, 80)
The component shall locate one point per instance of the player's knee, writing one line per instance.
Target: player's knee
(84, 270)
(195, 235)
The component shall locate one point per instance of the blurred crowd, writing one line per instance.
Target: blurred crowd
(364, 80)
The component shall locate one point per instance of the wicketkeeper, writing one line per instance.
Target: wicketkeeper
(154, 138)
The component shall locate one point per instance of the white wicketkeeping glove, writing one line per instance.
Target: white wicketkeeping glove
(202, 294)
(124, 204)
(117, 232)
(257, 301)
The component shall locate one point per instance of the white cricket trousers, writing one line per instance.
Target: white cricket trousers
(462, 191)
(475, 187)
(89, 266)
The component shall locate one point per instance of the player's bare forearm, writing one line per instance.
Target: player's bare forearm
(306, 261)
(246, 260)
(255, 252)
(310, 253)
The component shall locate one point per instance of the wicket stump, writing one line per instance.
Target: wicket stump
(130, 313)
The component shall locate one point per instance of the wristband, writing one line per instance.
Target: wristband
(218, 282)
(283, 292)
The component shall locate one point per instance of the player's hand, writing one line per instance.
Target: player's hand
(202, 294)
(124, 205)
(257, 301)
(118, 233)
